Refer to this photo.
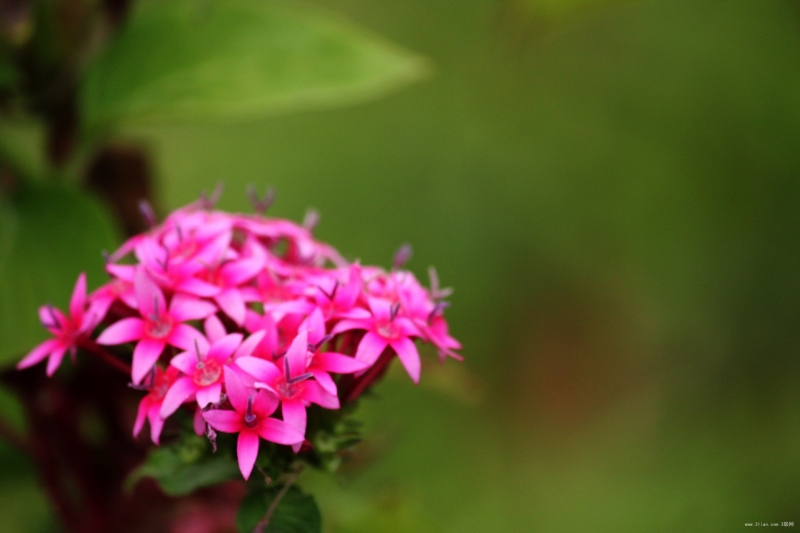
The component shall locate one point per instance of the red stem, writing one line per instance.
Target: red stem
(95, 349)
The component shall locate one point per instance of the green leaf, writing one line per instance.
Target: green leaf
(184, 468)
(48, 235)
(296, 512)
(196, 59)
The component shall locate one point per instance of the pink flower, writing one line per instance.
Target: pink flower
(322, 363)
(227, 277)
(251, 420)
(204, 372)
(150, 406)
(160, 325)
(294, 386)
(385, 328)
(67, 330)
(338, 300)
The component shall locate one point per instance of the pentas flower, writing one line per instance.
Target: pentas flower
(158, 326)
(250, 419)
(67, 330)
(385, 328)
(150, 406)
(338, 300)
(204, 370)
(227, 277)
(322, 364)
(293, 385)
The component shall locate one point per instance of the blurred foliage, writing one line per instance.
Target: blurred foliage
(190, 59)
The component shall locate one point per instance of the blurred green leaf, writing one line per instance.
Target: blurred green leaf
(48, 235)
(296, 512)
(184, 468)
(195, 59)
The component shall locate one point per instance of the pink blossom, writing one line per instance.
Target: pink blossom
(150, 405)
(293, 385)
(158, 326)
(68, 330)
(321, 364)
(203, 370)
(385, 328)
(251, 420)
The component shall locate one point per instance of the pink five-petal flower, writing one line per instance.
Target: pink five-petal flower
(158, 326)
(322, 363)
(67, 330)
(294, 386)
(228, 278)
(150, 406)
(385, 328)
(203, 374)
(337, 299)
(251, 420)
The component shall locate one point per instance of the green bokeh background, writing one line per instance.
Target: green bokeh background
(612, 189)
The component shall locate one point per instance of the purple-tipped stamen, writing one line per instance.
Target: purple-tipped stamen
(402, 256)
(164, 264)
(106, 256)
(330, 296)
(179, 231)
(148, 213)
(286, 373)
(301, 377)
(441, 306)
(249, 416)
(437, 293)
(311, 219)
(393, 310)
(318, 344)
(210, 201)
(260, 205)
(197, 354)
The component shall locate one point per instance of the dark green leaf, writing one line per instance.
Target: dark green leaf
(188, 59)
(182, 469)
(48, 235)
(296, 512)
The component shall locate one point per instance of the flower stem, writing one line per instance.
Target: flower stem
(264, 522)
(95, 349)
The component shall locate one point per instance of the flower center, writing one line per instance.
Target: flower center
(288, 391)
(160, 328)
(160, 387)
(388, 329)
(208, 373)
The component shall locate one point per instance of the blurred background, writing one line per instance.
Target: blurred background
(612, 189)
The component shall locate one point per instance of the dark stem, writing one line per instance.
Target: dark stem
(95, 349)
(264, 522)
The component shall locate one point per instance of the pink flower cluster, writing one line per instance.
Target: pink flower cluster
(242, 314)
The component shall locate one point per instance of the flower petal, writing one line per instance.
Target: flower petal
(314, 392)
(225, 421)
(148, 295)
(39, 353)
(126, 330)
(145, 355)
(236, 390)
(78, 300)
(278, 431)
(141, 414)
(156, 424)
(294, 414)
(249, 345)
(370, 348)
(324, 379)
(247, 451)
(56, 356)
(346, 325)
(224, 348)
(408, 355)
(339, 363)
(184, 336)
(186, 362)
(214, 328)
(261, 369)
(231, 301)
(183, 308)
(210, 394)
(297, 354)
(199, 422)
(178, 393)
